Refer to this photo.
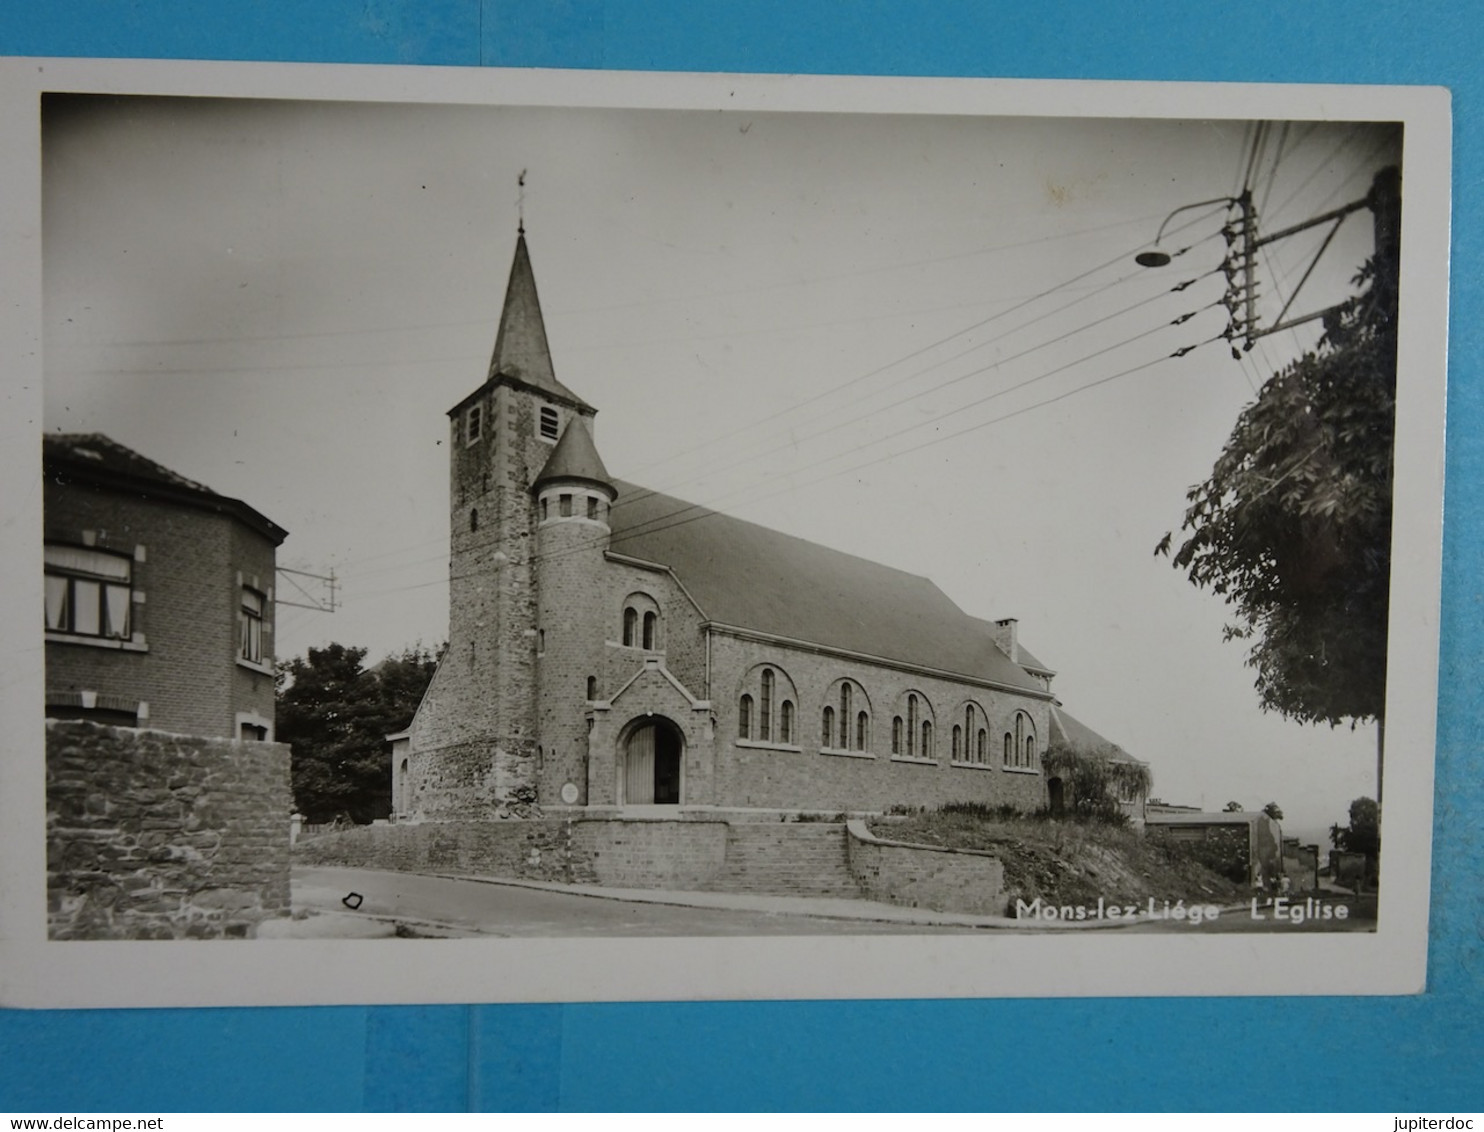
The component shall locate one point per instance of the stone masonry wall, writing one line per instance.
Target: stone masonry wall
(535, 849)
(921, 876)
(158, 836)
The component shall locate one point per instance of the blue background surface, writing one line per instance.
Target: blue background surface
(1379, 1054)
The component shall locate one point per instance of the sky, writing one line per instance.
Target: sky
(918, 339)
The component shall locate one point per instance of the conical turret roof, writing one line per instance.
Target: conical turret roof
(521, 349)
(575, 457)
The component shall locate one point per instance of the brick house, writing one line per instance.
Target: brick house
(159, 596)
(617, 651)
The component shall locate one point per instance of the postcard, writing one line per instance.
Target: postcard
(546, 536)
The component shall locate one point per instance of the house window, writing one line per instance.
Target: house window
(744, 718)
(651, 625)
(250, 626)
(473, 424)
(827, 735)
(592, 506)
(786, 722)
(896, 735)
(88, 592)
(630, 625)
(564, 505)
(765, 707)
(550, 423)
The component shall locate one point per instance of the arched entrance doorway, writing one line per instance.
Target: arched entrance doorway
(651, 764)
(1058, 798)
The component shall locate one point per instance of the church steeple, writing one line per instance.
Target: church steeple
(521, 350)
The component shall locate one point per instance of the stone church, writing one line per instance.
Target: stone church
(613, 651)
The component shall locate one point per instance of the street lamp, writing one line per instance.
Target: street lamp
(1241, 270)
(1156, 258)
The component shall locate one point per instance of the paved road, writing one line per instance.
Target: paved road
(476, 908)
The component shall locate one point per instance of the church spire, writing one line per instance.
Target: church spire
(521, 350)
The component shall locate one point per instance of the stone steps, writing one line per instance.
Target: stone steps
(787, 859)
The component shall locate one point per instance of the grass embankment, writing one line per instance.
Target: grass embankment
(1066, 862)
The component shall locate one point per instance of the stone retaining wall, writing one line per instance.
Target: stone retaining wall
(924, 876)
(158, 836)
(522, 849)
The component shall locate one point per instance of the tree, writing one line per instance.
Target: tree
(1274, 811)
(1233, 808)
(1095, 781)
(1363, 834)
(1293, 526)
(336, 714)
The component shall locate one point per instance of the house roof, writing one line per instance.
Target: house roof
(574, 458)
(1226, 817)
(521, 350)
(95, 460)
(1072, 732)
(750, 577)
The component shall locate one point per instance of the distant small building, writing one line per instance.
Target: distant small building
(159, 596)
(1251, 835)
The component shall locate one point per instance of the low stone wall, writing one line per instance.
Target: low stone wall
(678, 855)
(159, 836)
(925, 876)
(522, 849)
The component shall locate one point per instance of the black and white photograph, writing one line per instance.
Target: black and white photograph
(695, 538)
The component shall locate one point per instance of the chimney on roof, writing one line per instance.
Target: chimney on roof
(1006, 635)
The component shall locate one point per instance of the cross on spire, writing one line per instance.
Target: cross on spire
(520, 203)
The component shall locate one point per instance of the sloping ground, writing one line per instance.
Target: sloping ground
(1068, 862)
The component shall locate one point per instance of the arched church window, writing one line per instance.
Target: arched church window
(957, 741)
(862, 731)
(911, 723)
(786, 722)
(927, 739)
(896, 735)
(744, 718)
(1030, 750)
(827, 732)
(765, 707)
(1009, 739)
(630, 625)
(592, 687)
(651, 620)
(845, 716)
(981, 755)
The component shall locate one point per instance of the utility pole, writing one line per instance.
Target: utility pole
(323, 603)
